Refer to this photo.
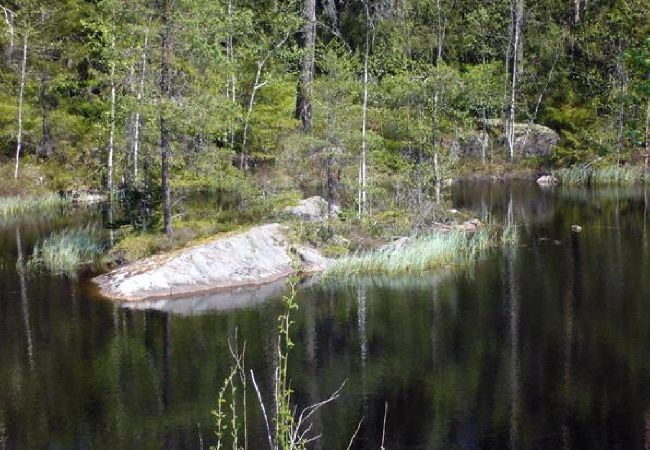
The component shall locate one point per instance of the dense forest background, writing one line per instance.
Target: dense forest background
(94, 92)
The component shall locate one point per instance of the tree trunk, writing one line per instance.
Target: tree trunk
(620, 121)
(111, 135)
(516, 54)
(19, 136)
(243, 158)
(364, 118)
(304, 110)
(165, 95)
(576, 15)
(136, 127)
(45, 148)
(440, 37)
(231, 87)
(647, 130)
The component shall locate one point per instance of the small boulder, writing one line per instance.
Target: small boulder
(311, 260)
(547, 180)
(576, 228)
(313, 209)
(470, 225)
(398, 243)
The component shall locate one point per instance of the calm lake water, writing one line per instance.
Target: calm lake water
(543, 346)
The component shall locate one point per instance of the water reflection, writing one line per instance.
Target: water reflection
(544, 346)
(20, 269)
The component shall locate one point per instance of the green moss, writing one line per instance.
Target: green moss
(137, 245)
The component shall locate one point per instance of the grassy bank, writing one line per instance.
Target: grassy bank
(67, 252)
(456, 248)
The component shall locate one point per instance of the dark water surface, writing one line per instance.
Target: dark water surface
(545, 346)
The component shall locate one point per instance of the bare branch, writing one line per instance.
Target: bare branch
(354, 435)
(266, 419)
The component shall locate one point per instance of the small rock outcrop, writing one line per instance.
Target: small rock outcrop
(547, 180)
(257, 256)
(470, 226)
(312, 209)
(531, 140)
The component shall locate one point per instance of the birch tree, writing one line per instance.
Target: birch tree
(364, 114)
(517, 18)
(111, 132)
(441, 29)
(282, 24)
(21, 95)
(139, 98)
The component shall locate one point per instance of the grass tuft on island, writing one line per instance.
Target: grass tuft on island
(66, 252)
(611, 175)
(456, 248)
(17, 206)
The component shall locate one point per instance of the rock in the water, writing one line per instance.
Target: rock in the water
(576, 228)
(470, 225)
(313, 209)
(259, 255)
(547, 180)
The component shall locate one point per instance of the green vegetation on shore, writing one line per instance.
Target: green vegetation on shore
(600, 176)
(376, 108)
(436, 250)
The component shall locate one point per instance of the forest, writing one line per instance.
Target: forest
(293, 224)
(352, 99)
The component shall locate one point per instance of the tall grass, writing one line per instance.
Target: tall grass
(16, 206)
(613, 175)
(434, 251)
(66, 252)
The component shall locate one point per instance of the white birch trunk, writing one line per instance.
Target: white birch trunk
(518, 16)
(111, 135)
(243, 162)
(364, 118)
(257, 85)
(647, 131)
(19, 136)
(231, 90)
(140, 95)
(436, 99)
